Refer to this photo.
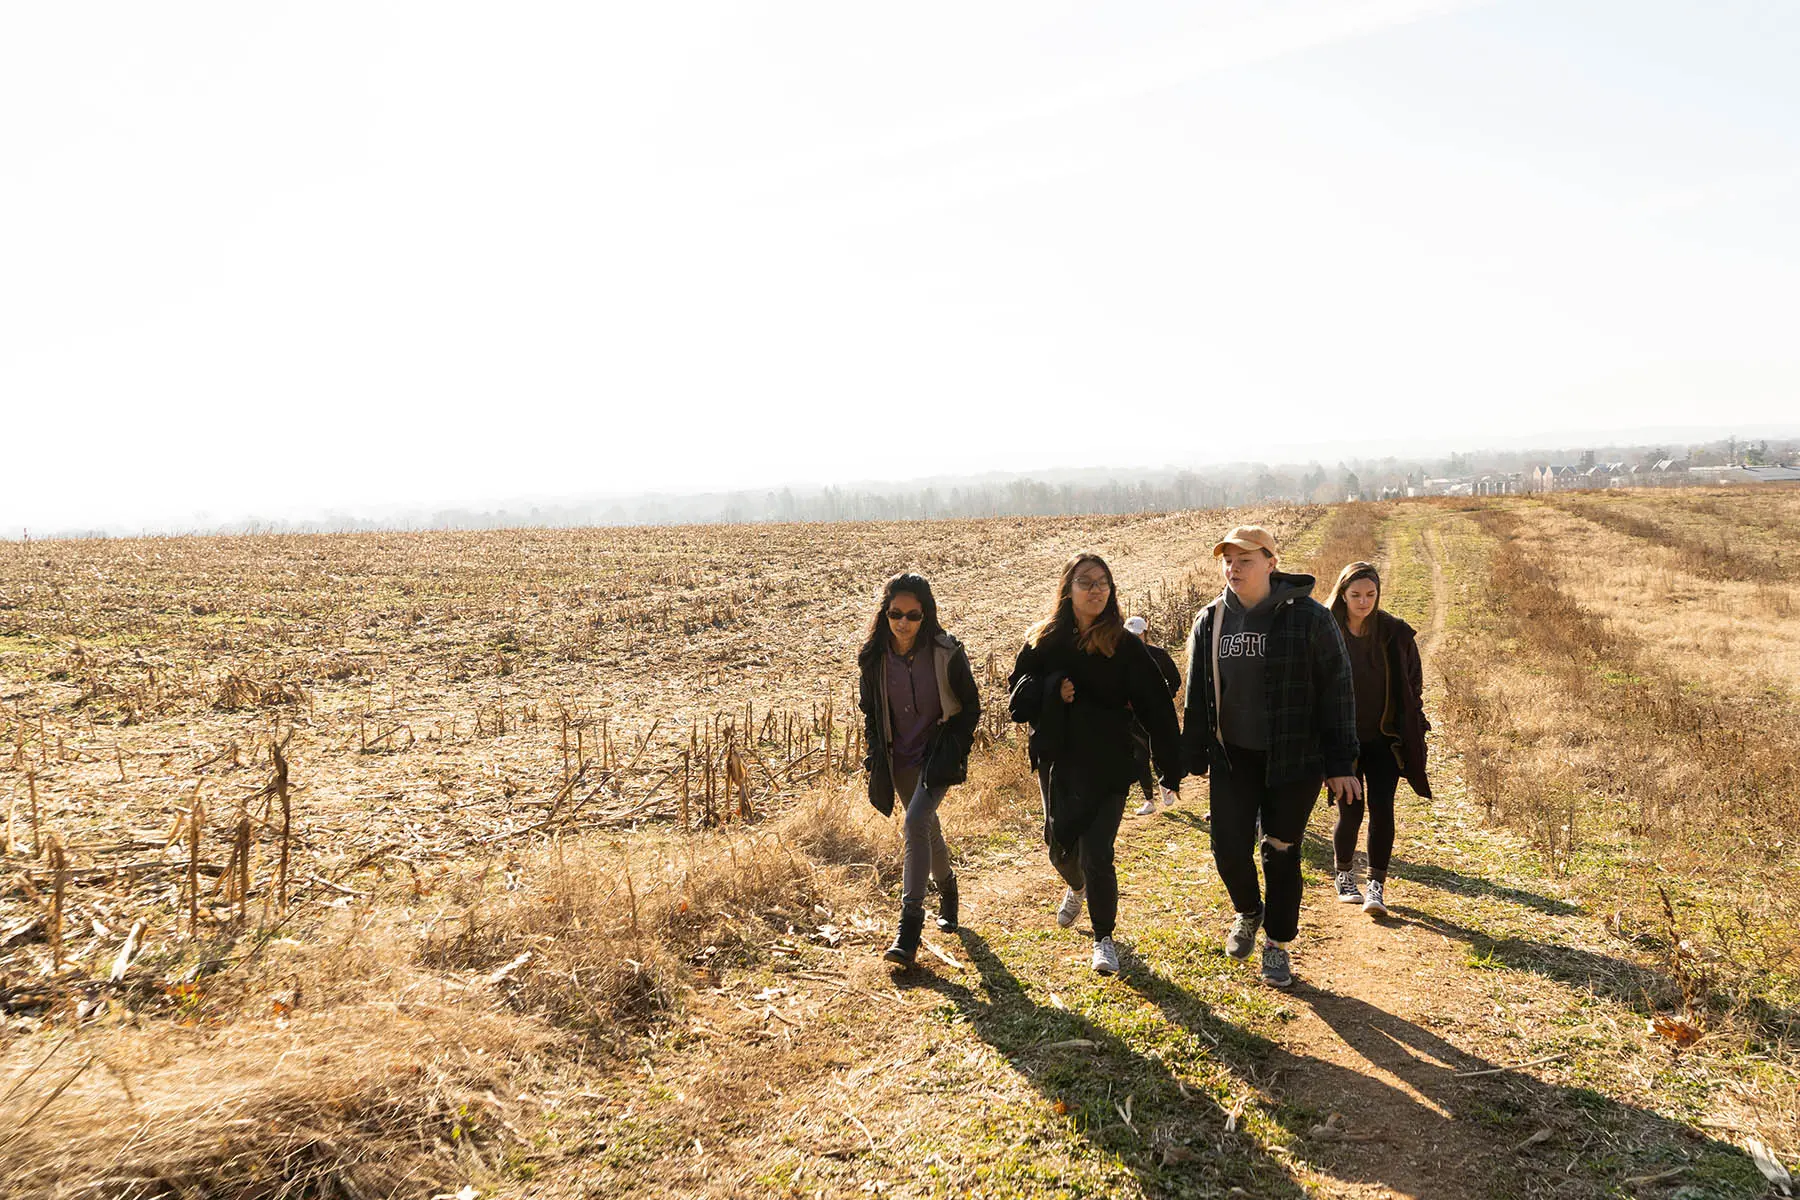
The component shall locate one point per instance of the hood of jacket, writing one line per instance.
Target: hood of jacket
(1284, 588)
(943, 649)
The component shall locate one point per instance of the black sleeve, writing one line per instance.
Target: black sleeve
(1025, 695)
(1154, 706)
(1415, 674)
(1165, 662)
(1196, 727)
(1334, 694)
(868, 699)
(962, 685)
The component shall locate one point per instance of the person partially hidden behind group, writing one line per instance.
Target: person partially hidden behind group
(920, 711)
(1270, 714)
(1390, 727)
(1139, 628)
(1080, 681)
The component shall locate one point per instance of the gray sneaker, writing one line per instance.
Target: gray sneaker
(1346, 888)
(1106, 956)
(1275, 969)
(1242, 938)
(1070, 909)
(1376, 905)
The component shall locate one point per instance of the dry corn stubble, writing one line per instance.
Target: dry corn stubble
(150, 669)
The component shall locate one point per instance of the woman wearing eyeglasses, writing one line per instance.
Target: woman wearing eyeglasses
(1080, 682)
(920, 710)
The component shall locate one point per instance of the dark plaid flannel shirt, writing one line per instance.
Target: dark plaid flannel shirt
(1312, 702)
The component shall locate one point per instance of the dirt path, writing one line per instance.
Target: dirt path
(1471, 1045)
(1440, 592)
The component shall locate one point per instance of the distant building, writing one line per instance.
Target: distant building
(1509, 483)
(1561, 478)
(1736, 474)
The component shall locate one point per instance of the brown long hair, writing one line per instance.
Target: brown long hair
(1102, 637)
(1346, 577)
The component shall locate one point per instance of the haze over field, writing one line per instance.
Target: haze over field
(267, 262)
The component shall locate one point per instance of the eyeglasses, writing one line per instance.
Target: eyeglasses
(895, 614)
(1093, 583)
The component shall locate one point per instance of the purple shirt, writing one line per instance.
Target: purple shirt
(913, 704)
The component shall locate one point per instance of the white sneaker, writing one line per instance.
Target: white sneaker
(1106, 957)
(1376, 904)
(1070, 908)
(1146, 808)
(1169, 798)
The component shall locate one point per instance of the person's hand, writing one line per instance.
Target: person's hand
(1345, 789)
(1068, 691)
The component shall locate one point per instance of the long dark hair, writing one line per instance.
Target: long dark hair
(877, 640)
(1102, 637)
(1346, 577)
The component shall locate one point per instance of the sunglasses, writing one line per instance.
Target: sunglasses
(895, 614)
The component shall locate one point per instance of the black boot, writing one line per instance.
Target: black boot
(905, 950)
(947, 906)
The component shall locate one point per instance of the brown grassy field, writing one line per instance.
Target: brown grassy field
(536, 862)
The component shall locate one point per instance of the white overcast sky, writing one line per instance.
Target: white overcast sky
(281, 258)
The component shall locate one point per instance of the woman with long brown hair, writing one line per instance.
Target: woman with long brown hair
(1080, 681)
(920, 711)
(1390, 727)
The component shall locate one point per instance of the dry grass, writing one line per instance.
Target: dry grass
(1352, 534)
(1728, 636)
(495, 899)
(445, 698)
(416, 804)
(1631, 779)
(399, 1097)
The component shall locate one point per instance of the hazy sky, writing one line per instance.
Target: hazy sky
(278, 258)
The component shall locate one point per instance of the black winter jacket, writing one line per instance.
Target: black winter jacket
(1092, 735)
(1311, 702)
(947, 753)
(1404, 717)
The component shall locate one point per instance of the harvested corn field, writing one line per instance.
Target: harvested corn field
(537, 864)
(197, 729)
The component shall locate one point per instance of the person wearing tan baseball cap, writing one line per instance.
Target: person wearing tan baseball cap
(1248, 538)
(1270, 715)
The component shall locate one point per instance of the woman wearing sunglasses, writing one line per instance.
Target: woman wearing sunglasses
(920, 710)
(1083, 685)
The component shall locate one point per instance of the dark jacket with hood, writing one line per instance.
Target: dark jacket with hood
(1090, 737)
(946, 760)
(1403, 718)
(1308, 697)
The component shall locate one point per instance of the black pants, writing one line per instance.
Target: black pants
(1240, 799)
(1380, 774)
(1089, 863)
(1140, 752)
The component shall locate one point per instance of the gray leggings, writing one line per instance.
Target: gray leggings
(925, 847)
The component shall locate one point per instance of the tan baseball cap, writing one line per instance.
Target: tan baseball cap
(1248, 537)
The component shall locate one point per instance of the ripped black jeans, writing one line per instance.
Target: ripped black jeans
(1240, 799)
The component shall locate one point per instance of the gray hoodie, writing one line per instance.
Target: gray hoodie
(1243, 637)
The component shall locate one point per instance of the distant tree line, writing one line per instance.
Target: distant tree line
(1054, 493)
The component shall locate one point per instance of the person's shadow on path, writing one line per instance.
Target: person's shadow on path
(1441, 1130)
